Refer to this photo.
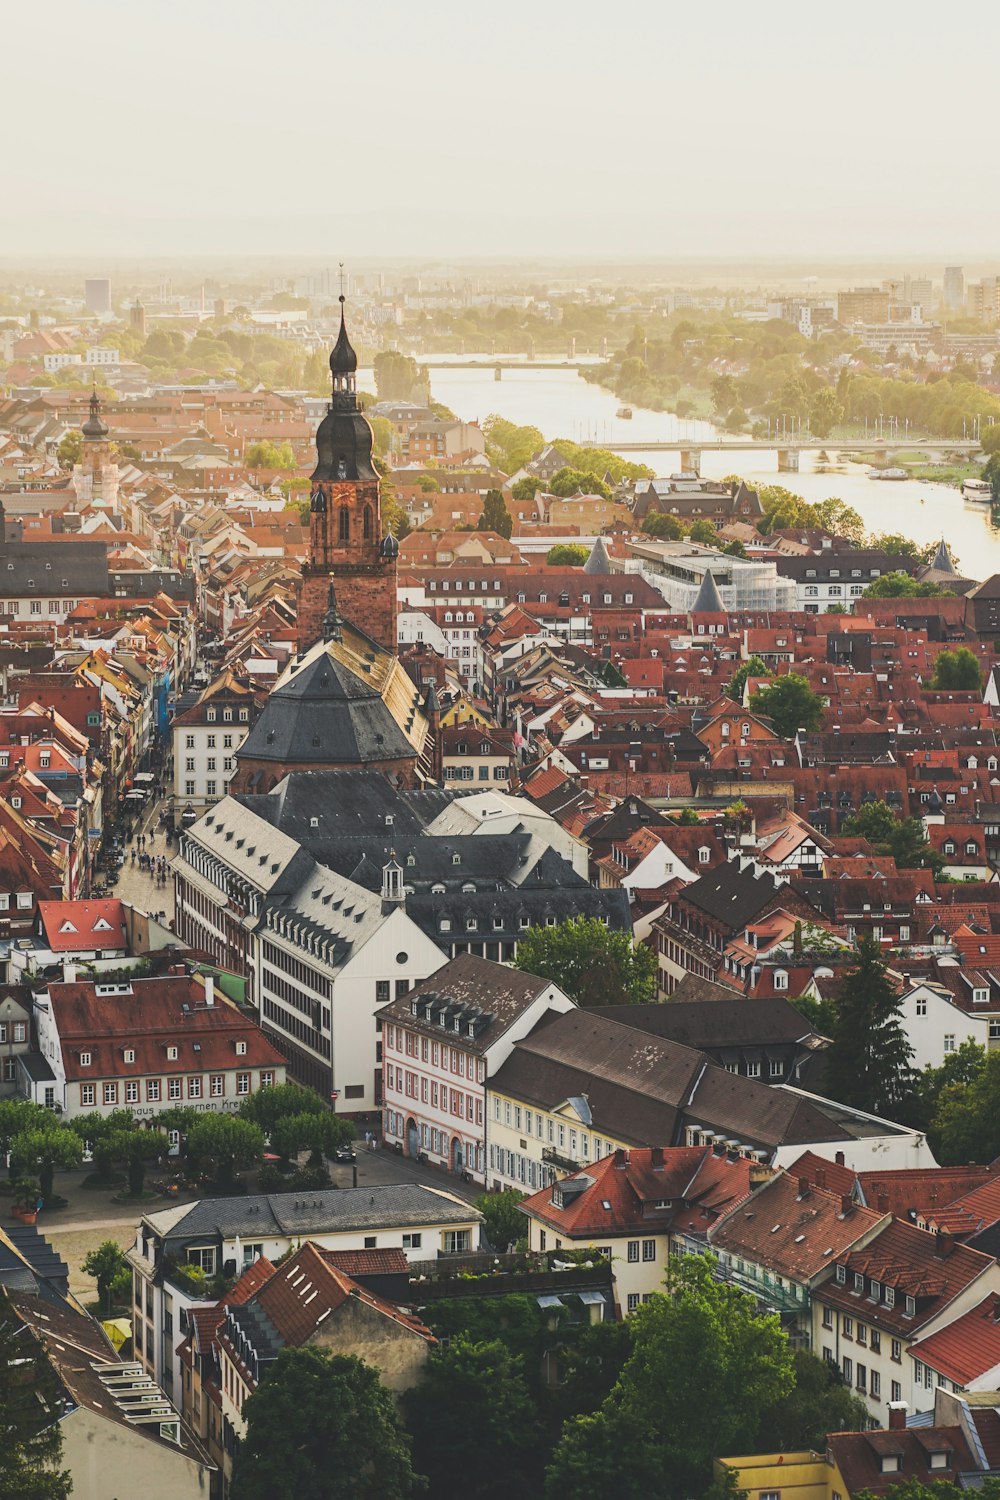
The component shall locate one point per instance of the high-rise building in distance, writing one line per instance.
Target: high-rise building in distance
(137, 318)
(954, 286)
(97, 295)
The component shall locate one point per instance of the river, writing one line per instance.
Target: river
(563, 404)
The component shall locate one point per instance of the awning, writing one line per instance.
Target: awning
(551, 1301)
(591, 1299)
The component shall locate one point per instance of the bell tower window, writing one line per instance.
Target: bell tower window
(345, 524)
(368, 523)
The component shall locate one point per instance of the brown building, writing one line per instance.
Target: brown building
(346, 546)
(865, 304)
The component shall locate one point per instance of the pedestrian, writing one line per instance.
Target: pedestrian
(133, 856)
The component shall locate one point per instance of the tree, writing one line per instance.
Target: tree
(704, 534)
(268, 1106)
(396, 375)
(903, 838)
(229, 1143)
(503, 1223)
(901, 586)
(568, 481)
(526, 488)
(660, 525)
(475, 1427)
(957, 671)
(42, 1150)
(842, 520)
(106, 1264)
(322, 1427)
(991, 473)
(495, 517)
(69, 449)
(868, 1065)
(567, 555)
(820, 1403)
(704, 1370)
(590, 962)
(790, 703)
(135, 1148)
(30, 1434)
(965, 1125)
(268, 455)
(935, 1489)
(754, 666)
(319, 1134)
(508, 446)
(825, 411)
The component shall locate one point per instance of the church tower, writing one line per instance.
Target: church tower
(95, 477)
(346, 546)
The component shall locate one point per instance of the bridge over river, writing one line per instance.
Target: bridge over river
(789, 449)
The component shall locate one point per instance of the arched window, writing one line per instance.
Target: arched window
(368, 523)
(345, 524)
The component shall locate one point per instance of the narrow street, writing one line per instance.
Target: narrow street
(138, 886)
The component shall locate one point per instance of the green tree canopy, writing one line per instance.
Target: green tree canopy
(268, 1106)
(396, 375)
(495, 516)
(903, 838)
(567, 555)
(659, 524)
(790, 703)
(526, 488)
(901, 586)
(566, 482)
(322, 1427)
(228, 1143)
(965, 1126)
(105, 1263)
(705, 1367)
(825, 411)
(754, 666)
(590, 963)
(508, 446)
(868, 1065)
(491, 1447)
(503, 1223)
(957, 671)
(69, 449)
(704, 534)
(41, 1150)
(818, 1404)
(268, 455)
(30, 1434)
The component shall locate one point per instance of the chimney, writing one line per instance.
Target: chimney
(839, 1158)
(209, 983)
(943, 1244)
(803, 1187)
(656, 1156)
(882, 1203)
(846, 1204)
(897, 1416)
(621, 1159)
(821, 1177)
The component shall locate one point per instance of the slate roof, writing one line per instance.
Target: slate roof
(324, 711)
(39, 568)
(711, 1024)
(709, 600)
(278, 1215)
(729, 894)
(491, 995)
(598, 563)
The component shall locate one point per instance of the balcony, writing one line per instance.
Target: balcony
(560, 1159)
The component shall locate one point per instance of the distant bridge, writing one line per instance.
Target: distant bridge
(788, 450)
(484, 362)
(797, 445)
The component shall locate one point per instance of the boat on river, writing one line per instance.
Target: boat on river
(977, 491)
(625, 412)
(887, 474)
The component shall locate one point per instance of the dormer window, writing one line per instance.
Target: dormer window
(980, 997)
(841, 1275)
(171, 1054)
(911, 1306)
(241, 1049)
(210, 716)
(892, 1463)
(129, 1055)
(85, 1059)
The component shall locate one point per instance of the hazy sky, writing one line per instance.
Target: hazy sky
(526, 127)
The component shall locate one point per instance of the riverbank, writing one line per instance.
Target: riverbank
(954, 474)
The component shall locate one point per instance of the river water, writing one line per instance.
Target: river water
(563, 404)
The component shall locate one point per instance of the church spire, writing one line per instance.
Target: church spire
(95, 427)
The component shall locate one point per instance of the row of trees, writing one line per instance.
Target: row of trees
(640, 1408)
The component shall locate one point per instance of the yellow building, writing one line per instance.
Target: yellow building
(792, 1476)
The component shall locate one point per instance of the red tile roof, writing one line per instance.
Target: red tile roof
(793, 1228)
(622, 1189)
(148, 1018)
(858, 1456)
(82, 926)
(967, 1215)
(967, 1349)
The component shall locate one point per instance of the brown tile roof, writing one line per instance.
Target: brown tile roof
(858, 1455)
(793, 1228)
